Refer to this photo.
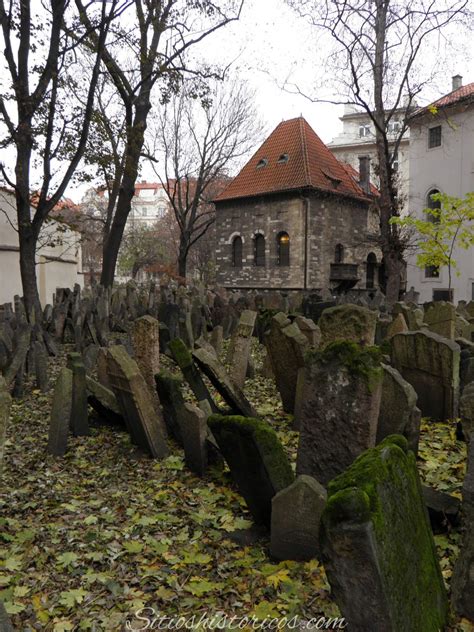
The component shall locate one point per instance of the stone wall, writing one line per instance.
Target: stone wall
(331, 221)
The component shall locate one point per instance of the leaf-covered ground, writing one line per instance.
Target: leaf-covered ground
(88, 539)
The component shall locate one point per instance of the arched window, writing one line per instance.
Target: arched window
(283, 245)
(237, 252)
(259, 250)
(432, 204)
(371, 267)
(339, 254)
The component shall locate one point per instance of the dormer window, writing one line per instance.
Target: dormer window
(263, 162)
(283, 159)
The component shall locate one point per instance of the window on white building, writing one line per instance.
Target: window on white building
(364, 131)
(394, 127)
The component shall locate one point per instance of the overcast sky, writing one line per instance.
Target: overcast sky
(270, 44)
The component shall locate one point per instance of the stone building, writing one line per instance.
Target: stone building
(296, 218)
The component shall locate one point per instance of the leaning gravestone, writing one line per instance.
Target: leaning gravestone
(239, 348)
(257, 461)
(169, 389)
(193, 377)
(398, 410)
(286, 348)
(441, 319)
(462, 585)
(79, 421)
(144, 423)
(296, 515)
(348, 322)
(194, 431)
(60, 413)
(310, 330)
(230, 392)
(146, 348)
(340, 408)
(430, 363)
(5, 403)
(104, 402)
(377, 546)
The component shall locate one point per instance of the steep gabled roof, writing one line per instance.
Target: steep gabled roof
(464, 94)
(293, 157)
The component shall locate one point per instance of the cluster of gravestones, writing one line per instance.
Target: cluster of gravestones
(356, 502)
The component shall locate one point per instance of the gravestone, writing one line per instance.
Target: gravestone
(466, 411)
(194, 431)
(79, 423)
(441, 319)
(296, 515)
(217, 336)
(102, 375)
(239, 347)
(462, 583)
(184, 359)
(144, 423)
(146, 350)
(286, 348)
(5, 403)
(104, 402)
(340, 408)
(230, 392)
(430, 363)
(23, 336)
(169, 389)
(397, 326)
(398, 410)
(348, 322)
(310, 330)
(377, 546)
(60, 413)
(257, 461)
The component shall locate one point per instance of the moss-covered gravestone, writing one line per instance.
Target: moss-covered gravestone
(193, 377)
(256, 459)
(145, 424)
(340, 408)
(377, 546)
(430, 363)
(348, 322)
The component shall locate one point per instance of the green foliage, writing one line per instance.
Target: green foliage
(442, 230)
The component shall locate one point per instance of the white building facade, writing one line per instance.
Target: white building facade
(442, 160)
(58, 257)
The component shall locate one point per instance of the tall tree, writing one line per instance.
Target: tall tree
(150, 49)
(46, 127)
(201, 139)
(379, 63)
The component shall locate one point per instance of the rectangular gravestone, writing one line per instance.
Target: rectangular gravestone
(430, 363)
(348, 322)
(79, 421)
(257, 461)
(296, 515)
(5, 403)
(60, 413)
(144, 423)
(169, 389)
(193, 377)
(230, 392)
(194, 432)
(104, 402)
(377, 547)
(339, 410)
(239, 348)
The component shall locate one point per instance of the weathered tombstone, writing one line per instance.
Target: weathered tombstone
(257, 461)
(146, 350)
(184, 359)
(90, 355)
(430, 363)
(202, 343)
(296, 515)
(377, 546)
(79, 422)
(60, 413)
(217, 336)
(194, 431)
(286, 348)
(5, 403)
(462, 583)
(310, 330)
(398, 411)
(104, 402)
(348, 322)
(397, 326)
(413, 316)
(466, 411)
(239, 348)
(230, 392)
(169, 389)
(41, 366)
(19, 354)
(340, 410)
(102, 375)
(144, 423)
(441, 319)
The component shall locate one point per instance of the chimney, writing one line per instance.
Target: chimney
(457, 82)
(364, 173)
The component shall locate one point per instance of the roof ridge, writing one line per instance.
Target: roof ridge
(304, 145)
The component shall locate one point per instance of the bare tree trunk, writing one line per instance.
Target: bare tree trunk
(183, 255)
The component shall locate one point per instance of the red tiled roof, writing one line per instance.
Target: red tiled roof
(148, 185)
(310, 164)
(462, 94)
